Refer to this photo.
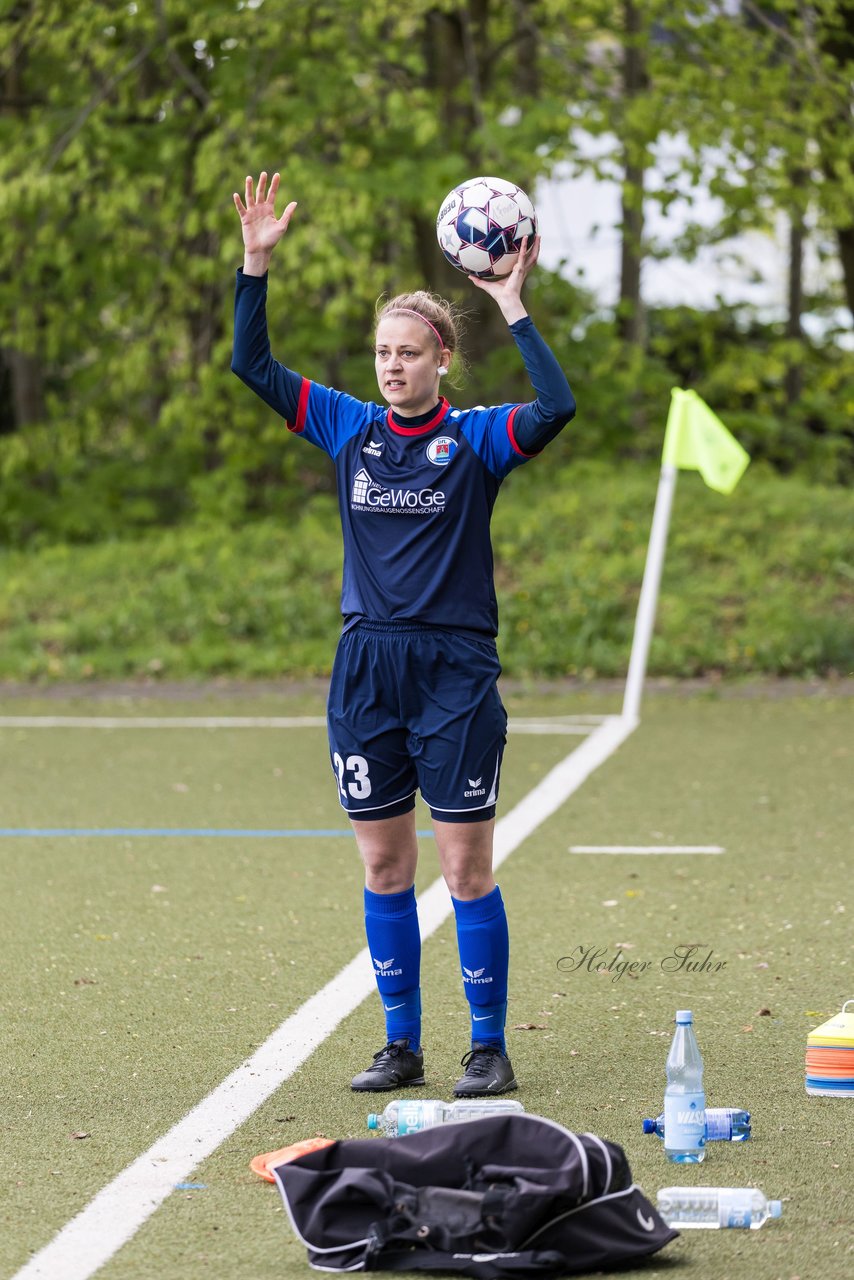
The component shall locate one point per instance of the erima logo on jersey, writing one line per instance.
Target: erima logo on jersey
(369, 495)
(441, 450)
(374, 448)
(383, 968)
(474, 976)
(475, 788)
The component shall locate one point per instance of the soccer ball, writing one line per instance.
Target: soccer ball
(481, 226)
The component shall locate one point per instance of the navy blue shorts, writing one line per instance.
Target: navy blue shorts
(416, 707)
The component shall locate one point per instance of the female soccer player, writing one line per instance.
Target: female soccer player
(413, 700)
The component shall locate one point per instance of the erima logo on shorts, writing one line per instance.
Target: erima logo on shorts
(369, 495)
(384, 970)
(476, 788)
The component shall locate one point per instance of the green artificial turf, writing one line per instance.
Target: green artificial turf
(140, 972)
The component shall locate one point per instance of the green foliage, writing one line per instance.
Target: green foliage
(737, 574)
(125, 129)
(739, 364)
(761, 581)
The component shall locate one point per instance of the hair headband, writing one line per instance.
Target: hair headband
(441, 341)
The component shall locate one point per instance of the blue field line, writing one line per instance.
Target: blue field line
(232, 833)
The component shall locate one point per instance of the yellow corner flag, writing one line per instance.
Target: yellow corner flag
(697, 440)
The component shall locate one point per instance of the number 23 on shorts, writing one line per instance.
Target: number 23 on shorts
(352, 776)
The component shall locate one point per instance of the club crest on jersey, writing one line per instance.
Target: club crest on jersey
(441, 450)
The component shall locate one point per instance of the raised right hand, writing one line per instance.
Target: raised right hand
(262, 230)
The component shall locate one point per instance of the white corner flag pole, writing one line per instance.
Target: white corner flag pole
(645, 619)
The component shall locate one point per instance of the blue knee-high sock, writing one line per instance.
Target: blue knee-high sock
(394, 941)
(484, 947)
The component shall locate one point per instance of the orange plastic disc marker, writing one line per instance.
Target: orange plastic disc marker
(264, 1164)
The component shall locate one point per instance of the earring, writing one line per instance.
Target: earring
(441, 371)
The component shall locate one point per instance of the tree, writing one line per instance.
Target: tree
(125, 129)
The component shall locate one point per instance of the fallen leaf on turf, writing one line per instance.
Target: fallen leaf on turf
(763, 1013)
(78, 1133)
(85, 982)
(529, 1026)
(748, 1028)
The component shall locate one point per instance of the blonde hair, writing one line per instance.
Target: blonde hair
(443, 318)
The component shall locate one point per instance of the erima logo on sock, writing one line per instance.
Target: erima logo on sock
(473, 975)
(384, 969)
(476, 788)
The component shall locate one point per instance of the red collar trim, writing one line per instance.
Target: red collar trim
(419, 431)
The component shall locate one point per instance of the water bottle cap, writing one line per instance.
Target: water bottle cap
(776, 1208)
(373, 1120)
(649, 1126)
(684, 1015)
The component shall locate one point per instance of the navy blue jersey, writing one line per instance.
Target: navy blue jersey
(415, 500)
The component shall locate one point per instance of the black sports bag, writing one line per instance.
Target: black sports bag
(501, 1196)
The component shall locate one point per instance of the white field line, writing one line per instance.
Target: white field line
(646, 848)
(117, 1212)
(543, 724)
(549, 727)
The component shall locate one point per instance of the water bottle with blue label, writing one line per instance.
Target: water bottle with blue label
(684, 1099)
(411, 1115)
(723, 1124)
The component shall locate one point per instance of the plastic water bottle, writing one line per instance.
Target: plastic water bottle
(684, 1100)
(413, 1115)
(723, 1124)
(716, 1207)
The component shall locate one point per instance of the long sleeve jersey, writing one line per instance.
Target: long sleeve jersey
(415, 494)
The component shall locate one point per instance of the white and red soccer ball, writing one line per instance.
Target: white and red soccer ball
(481, 226)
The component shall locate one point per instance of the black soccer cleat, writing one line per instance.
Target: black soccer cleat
(393, 1067)
(488, 1073)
